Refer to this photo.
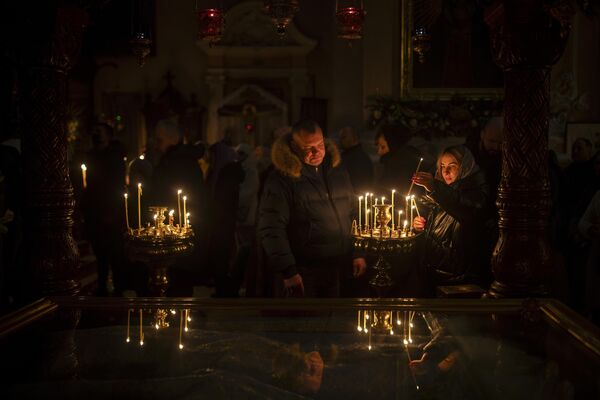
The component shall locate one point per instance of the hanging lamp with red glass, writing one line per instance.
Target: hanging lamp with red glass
(350, 19)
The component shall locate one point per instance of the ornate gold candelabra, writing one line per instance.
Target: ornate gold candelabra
(159, 246)
(382, 240)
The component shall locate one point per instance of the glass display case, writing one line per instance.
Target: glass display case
(177, 348)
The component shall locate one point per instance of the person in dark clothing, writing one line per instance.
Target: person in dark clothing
(177, 169)
(103, 208)
(356, 161)
(224, 175)
(458, 196)
(305, 214)
(398, 159)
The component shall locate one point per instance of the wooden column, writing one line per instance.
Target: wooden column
(527, 39)
(51, 40)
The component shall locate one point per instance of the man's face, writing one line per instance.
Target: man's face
(492, 143)
(311, 146)
(382, 146)
(580, 152)
(100, 137)
(162, 141)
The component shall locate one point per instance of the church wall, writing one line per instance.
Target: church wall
(345, 75)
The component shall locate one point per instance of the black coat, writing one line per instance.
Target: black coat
(399, 166)
(305, 214)
(456, 249)
(360, 168)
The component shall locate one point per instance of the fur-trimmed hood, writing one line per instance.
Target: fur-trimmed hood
(288, 163)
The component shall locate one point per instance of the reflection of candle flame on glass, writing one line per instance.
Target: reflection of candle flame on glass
(128, 320)
(84, 175)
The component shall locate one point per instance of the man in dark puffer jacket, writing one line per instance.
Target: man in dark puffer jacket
(305, 214)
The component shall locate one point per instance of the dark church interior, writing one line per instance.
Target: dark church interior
(300, 199)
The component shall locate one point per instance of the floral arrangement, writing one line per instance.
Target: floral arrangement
(458, 116)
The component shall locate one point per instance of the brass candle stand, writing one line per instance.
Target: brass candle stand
(159, 246)
(382, 240)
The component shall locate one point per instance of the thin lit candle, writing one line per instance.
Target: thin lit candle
(359, 212)
(358, 327)
(411, 181)
(393, 191)
(184, 211)
(139, 185)
(126, 211)
(414, 202)
(366, 207)
(179, 207)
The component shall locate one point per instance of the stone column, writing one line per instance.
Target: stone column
(527, 39)
(52, 40)
(216, 87)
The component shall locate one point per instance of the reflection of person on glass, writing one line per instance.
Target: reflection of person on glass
(458, 194)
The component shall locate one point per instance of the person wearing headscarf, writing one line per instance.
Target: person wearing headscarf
(454, 251)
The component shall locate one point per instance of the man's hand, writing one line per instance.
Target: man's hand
(424, 179)
(359, 266)
(419, 223)
(293, 286)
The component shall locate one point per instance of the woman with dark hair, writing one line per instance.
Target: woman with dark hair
(454, 228)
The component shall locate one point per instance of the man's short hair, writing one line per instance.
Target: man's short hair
(171, 129)
(494, 127)
(110, 132)
(306, 125)
(395, 135)
(348, 137)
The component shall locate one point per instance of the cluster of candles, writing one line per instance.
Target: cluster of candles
(184, 319)
(182, 225)
(403, 228)
(183, 222)
(384, 322)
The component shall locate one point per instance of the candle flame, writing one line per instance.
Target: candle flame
(360, 197)
(139, 185)
(171, 213)
(83, 167)
(185, 198)
(125, 195)
(393, 190)
(142, 156)
(180, 346)
(179, 191)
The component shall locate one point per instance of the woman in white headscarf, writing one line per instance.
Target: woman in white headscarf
(455, 249)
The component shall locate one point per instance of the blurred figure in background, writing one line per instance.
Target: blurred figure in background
(589, 227)
(356, 161)
(398, 159)
(246, 212)
(224, 175)
(178, 169)
(102, 206)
